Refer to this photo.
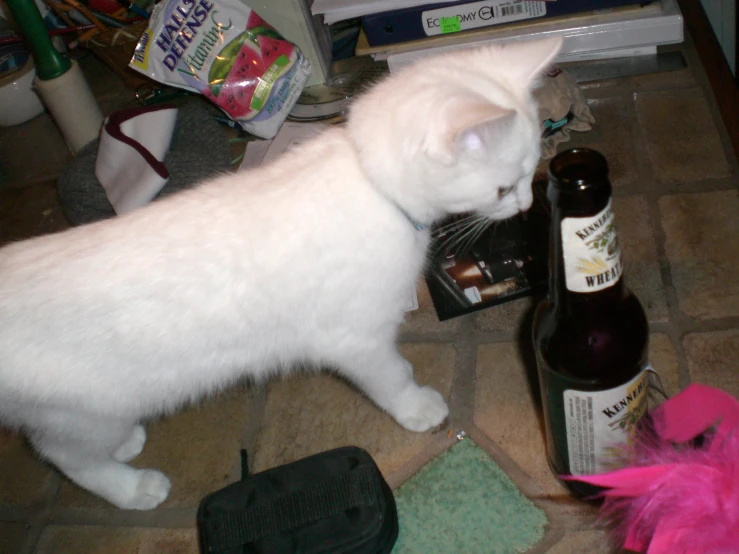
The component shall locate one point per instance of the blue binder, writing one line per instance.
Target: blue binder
(423, 21)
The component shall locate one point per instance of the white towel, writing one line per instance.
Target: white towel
(130, 159)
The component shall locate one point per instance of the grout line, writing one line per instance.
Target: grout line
(38, 523)
(462, 401)
(179, 518)
(675, 316)
(252, 429)
(415, 337)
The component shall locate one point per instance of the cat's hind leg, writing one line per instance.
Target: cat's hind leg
(387, 378)
(89, 450)
(132, 446)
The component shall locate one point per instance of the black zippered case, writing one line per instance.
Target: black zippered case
(335, 502)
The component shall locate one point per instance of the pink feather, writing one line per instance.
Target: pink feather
(674, 496)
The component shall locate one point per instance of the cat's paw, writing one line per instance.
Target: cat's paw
(420, 409)
(133, 445)
(152, 489)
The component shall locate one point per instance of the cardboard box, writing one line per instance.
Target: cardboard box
(507, 261)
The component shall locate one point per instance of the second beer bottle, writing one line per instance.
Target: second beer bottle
(591, 333)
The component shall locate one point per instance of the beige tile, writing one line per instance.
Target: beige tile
(13, 537)
(680, 78)
(510, 316)
(23, 477)
(713, 359)
(661, 80)
(424, 319)
(81, 539)
(595, 541)
(310, 414)
(29, 211)
(702, 234)
(600, 87)
(663, 357)
(33, 151)
(197, 448)
(639, 251)
(507, 412)
(682, 141)
(612, 136)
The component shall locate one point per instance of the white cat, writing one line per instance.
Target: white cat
(306, 260)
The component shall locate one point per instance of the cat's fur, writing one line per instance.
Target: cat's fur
(306, 260)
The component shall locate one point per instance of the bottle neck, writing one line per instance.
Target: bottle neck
(585, 257)
(568, 302)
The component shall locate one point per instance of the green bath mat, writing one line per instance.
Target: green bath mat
(462, 502)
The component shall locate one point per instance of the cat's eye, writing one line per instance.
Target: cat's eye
(505, 191)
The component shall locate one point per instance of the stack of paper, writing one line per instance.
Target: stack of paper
(339, 10)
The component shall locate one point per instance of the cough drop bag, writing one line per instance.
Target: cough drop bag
(225, 51)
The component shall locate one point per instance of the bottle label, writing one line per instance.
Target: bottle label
(598, 421)
(592, 255)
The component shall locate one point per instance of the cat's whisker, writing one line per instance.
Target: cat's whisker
(480, 228)
(454, 220)
(457, 223)
(459, 237)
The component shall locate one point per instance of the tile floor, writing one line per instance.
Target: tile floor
(675, 181)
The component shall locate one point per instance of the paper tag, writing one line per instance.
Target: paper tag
(599, 421)
(479, 14)
(591, 252)
(450, 25)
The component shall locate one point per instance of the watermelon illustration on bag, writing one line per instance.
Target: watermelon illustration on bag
(229, 54)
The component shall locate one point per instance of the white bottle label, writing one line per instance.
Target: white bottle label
(596, 422)
(592, 255)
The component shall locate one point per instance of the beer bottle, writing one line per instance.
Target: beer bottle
(590, 333)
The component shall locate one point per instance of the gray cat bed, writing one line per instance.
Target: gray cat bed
(199, 149)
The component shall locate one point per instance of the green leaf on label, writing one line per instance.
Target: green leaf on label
(261, 93)
(450, 25)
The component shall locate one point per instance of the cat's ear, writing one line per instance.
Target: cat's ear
(480, 124)
(469, 124)
(525, 60)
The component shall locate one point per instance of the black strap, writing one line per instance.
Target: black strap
(244, 465)
(359, 487)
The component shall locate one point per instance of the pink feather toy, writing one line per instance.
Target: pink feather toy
(679, 491)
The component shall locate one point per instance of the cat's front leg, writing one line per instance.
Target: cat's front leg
(387, 378)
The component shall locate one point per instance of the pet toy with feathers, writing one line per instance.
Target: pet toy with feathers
(679, 490)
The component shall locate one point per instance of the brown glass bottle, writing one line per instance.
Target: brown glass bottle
(590, 333)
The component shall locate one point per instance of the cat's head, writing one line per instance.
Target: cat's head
(457, 132)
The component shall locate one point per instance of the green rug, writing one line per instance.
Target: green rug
(463, 502)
